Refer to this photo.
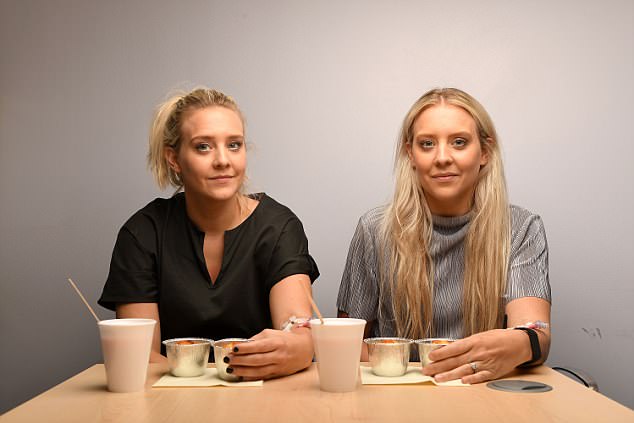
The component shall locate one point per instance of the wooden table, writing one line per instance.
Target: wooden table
(297, 399)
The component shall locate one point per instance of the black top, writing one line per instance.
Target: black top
(158, 258)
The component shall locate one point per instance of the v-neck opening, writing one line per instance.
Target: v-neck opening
(228, 238)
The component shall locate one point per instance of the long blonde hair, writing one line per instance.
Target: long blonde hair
(407, 229)
(165, 130)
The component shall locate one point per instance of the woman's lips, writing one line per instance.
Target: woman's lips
(221, 179)
(445, 177)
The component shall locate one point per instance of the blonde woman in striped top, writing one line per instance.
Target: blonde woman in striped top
(449, 256)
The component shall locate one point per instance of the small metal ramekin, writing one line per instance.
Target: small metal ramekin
(427, 345)
(221, 349)
(388, 356)
(187, 357)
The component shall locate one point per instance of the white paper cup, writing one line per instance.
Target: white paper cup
(126, 346)
(338, 350)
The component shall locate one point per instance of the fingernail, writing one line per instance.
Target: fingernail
(226, 359)
(235, 349)
(229, 370)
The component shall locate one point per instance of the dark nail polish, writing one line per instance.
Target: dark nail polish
(235, 349)
(229, 370)
(226, 360)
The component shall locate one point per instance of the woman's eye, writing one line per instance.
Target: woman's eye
(203, 147)
(459, 142)
(426, 144)
(235, 145)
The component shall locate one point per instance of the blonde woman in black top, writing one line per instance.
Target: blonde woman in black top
(212, 261)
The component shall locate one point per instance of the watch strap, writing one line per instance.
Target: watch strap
(536, 350)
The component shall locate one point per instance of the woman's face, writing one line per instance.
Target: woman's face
(211, 158)
(447, 157)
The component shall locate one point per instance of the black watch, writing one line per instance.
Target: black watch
(535, 348)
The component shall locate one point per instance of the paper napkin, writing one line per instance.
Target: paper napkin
(210, 378)
(412, 375)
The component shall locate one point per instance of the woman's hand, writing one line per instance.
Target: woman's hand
(272, 353)
(480, 357)
(494, 353)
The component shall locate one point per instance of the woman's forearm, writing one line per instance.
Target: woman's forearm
(157, 357)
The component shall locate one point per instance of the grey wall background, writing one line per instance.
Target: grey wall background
(324, 86)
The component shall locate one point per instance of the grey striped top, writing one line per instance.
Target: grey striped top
(360, 288)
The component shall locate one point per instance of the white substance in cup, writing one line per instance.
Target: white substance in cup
(126, 346)
(338, 350)
(389, 367)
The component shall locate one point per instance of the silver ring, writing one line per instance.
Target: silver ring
(474, 366)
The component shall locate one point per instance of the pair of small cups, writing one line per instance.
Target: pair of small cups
(188, 357)
(389, 357)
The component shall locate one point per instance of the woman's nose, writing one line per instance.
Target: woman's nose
(443, 154)
(220, 158)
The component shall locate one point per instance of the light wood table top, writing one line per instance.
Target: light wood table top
(297, 398)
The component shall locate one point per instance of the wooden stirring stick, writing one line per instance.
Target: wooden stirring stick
(83, 299)
(312, 303)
